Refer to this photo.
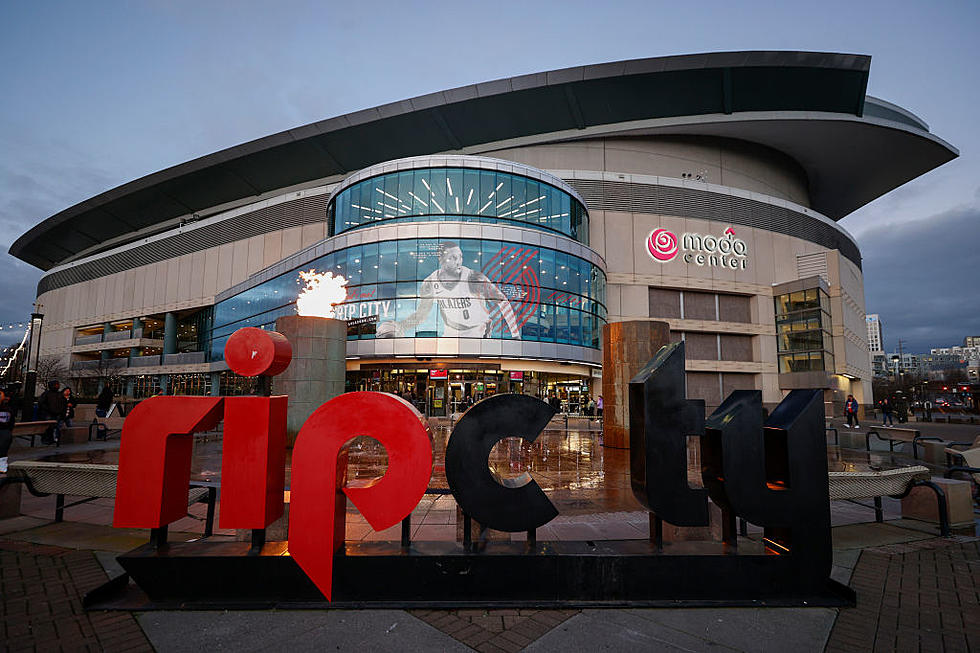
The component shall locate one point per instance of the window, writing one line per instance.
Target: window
(460, 194)
(803, 339)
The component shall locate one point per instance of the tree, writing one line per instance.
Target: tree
(954, 375)
(51, 368)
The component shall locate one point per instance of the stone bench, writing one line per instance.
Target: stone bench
(87, 480)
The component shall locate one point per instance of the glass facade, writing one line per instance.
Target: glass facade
(803, 339)
(459, 194)
(432, 287)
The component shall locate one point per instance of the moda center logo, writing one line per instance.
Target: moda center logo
(702, 250)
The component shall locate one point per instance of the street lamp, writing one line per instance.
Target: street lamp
(33, 356)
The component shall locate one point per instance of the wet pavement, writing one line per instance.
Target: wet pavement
(900, 568)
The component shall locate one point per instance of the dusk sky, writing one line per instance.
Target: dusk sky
(97, 94)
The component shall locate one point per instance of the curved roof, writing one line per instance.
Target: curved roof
(812, 106)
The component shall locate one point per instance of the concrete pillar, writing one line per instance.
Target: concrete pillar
(215, 384)
(106, 329)
(137, 326)
(170, 334)
(626, 348)
(130, 386)
(318, 367)
(163, 381)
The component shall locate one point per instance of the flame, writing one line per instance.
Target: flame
(322, 292)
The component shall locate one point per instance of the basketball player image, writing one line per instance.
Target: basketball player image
(465, 298)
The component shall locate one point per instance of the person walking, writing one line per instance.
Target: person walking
(6, 429)
(70, 404)
(851, 411)
(52, 406)
(886, 412)
(927, 407)
(598, 407)
(104, 401)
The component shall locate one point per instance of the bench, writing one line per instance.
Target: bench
(895, 483)
(828, 427)
(969, 463)
(103, 427)
(91, 481)
(31, 430)
(893, 434)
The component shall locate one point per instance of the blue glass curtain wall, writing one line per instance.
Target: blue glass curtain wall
(434, 287)
(461, 194)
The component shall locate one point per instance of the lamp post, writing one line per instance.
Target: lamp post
(33, 355)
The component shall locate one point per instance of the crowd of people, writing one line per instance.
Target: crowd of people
(56, 404)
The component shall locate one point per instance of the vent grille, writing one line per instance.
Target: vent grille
(812, 265)
(294, 213)
(705, 205)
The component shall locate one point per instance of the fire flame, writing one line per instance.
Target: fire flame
(322, 292)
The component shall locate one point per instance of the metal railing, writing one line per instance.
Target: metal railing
(144, 361)
(186, 358)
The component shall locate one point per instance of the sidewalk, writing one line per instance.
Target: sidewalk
(915, 591)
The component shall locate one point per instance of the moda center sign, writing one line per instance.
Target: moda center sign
(725, 251)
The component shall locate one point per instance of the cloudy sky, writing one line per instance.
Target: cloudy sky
(98, 93)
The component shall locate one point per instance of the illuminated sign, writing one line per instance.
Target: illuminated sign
(703, 250)
(438, 374)
(517, 376)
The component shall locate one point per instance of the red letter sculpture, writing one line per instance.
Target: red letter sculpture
(155, 459)
(253, 456)
(317, 510)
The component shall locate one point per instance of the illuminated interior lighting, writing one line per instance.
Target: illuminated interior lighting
(386, 194)
(419, 199)
(388, 206)
(457, 205)
(485, 206)
(490, 196)
(469, 197)
(505, 201)
(449, 186)
(436, 204)
(426, 184)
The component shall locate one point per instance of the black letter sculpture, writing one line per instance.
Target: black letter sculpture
(661, 419)
(507, 505)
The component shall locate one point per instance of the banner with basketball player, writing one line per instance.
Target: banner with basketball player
(494, 301)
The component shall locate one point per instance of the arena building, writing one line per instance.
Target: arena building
(486, 233)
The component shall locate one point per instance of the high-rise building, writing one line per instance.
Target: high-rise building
(876, 338)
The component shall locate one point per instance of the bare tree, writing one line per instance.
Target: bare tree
(51, 368)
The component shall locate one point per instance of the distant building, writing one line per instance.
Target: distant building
(905, 363)
(875, 336)
(971, 341)
(879, 364)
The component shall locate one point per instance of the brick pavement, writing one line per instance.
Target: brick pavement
(919, 596)
(42, 589)
(493, 631)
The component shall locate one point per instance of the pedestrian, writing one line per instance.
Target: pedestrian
(104, 401)
(886, 412)
(927, 406)
(6, 428)
(70, 404)
(51, 406)
(851, 411)
(598, 407)
(590, 408)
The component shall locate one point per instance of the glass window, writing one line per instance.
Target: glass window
(384, 280)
